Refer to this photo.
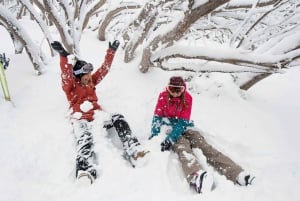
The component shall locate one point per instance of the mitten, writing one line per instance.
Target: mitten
(151, 136)
(155, 126)
(59, 48)
(166, 145)
(114, 46)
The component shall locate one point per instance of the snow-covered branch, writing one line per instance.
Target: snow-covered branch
(190, 16)
(16, 29)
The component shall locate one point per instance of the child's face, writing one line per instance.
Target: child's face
(175, 94)
(176, 91)
(86, 79)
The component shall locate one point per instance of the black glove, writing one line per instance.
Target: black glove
(152, 136)
(166, 145)
(114, 46)
(59, 48)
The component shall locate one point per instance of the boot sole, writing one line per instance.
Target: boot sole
(140, 154)
(84, 175)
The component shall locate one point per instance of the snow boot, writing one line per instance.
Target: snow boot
(202, 181)
(244, 179)
(85, 169)
(84, 177)
(134, 153)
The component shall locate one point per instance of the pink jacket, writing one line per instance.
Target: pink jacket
(174, 107)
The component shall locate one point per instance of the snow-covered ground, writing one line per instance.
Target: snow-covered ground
(258, 128)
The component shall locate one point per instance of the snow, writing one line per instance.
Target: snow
(244, 2)
(86, 106)
(256, 128)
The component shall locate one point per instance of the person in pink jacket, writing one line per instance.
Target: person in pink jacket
(173, 109)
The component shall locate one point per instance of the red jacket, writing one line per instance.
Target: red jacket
(173, 107)
(77, 93)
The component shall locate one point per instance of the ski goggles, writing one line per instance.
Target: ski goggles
(86, 68)
(176, 89)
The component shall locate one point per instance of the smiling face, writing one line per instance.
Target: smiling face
(86, 79)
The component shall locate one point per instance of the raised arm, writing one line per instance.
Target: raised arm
(104, 68)
(67, 76)
(66, 66)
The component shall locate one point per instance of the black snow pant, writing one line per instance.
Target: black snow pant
(123, 131)
(85, 160)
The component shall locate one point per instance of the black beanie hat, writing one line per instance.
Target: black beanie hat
(78, 65)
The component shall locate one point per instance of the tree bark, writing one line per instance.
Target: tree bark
(13, 29)
(254, 80)
(190, 17)
(91, 12)
(260, 4)
(108, 18)
(59, 27)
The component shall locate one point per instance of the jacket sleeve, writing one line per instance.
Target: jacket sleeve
(178, 129)
(103, 70)
(155, 126)
(158, 115)
(67, 76)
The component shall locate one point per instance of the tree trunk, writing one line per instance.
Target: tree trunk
(254, 80)
(190, 17)
(15, 30)
(108, 18)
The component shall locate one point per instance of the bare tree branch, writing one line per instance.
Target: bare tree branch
(254, 80)
(17, 31)
(91, 12)
(108, 19)
(248, 5)
(190, 17)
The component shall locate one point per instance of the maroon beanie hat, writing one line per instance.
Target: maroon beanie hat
(176, 81)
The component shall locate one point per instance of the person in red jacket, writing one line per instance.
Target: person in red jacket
(79, 85)
(173, 110)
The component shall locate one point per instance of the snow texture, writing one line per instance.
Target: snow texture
(259, 129)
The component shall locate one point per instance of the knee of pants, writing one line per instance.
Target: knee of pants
(194, 133)
(182, 145)
(119, 122)
(116, 117)
(121, 126)
(195, 137)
